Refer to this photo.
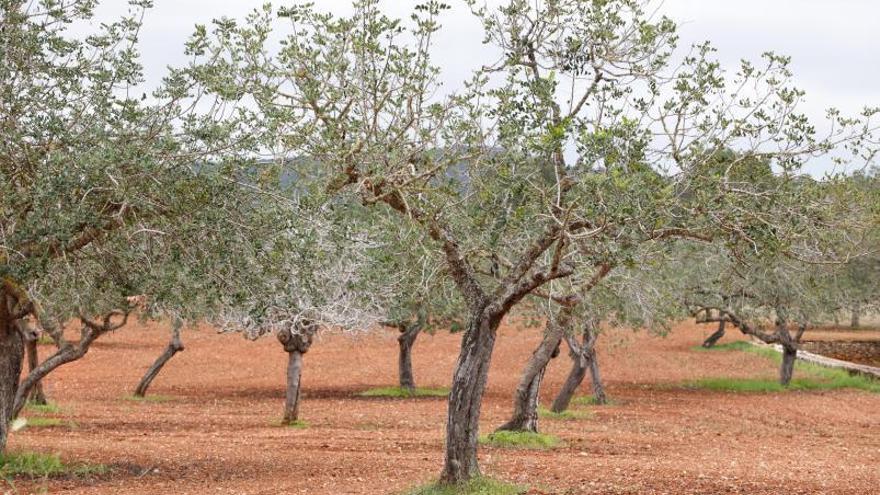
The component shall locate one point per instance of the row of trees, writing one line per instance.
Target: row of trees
(326, 182)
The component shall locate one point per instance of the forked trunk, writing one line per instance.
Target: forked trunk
(526, 397)
(174, 346)
(715, 337)
(406, 340)
(599, 396)
(583, 358)
(11, 358)
(465, 398)
(295, 344)
(291, 403)
(37, 396)
(575, 377)
(786, 370)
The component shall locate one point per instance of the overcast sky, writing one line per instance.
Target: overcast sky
(835, 44)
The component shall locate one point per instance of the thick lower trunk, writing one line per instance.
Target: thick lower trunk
(583, 358)
(174, 346)
(715, 337)
(11, 358)
(786, 370)
(294, 372)
(465, 398)
(855, 319)
(296, 343)
(526, 397)
(598, 387)
(404, 359)
(569, 388)
(37, 395)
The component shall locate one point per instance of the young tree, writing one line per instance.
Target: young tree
(584, 118)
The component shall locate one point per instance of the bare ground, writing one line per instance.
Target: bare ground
(217, 434)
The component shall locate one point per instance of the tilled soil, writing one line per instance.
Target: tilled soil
(217, 433)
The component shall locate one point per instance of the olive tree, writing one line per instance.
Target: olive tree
(584, 117)
(95, 177)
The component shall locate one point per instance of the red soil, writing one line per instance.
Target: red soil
(216, 434)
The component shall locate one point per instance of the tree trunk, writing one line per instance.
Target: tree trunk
(575, 377)
(598, 387)
(583, 358)
(37, 396)
(11, 358)
(296, 343)
(406, 340)
(855, 319)
(466, 396)
(526, 397)
(291, 403)
(715, 337)
(174, 346)
(786, 370)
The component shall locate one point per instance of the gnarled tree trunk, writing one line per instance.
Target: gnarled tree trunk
(526, 397)
(175, 345)
(66, 353)
(786, 370)
(466, 397)
(11, 358)
(583, 357)
(406, 340)
(296, 343)
(37, 396)
(715, 337)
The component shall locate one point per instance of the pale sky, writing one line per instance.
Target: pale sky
(834, 44)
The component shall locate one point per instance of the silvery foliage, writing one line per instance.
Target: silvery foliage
(104, 188)
(590, 135)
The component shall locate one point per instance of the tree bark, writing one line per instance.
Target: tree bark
(409, 332)
(575, 377)
(37, 395)
(11, 358)
(526, 397)
(296, 343)
(786, 370)
(583, 358)
(291, 402)
(715, 337)
(466, 396)
(175, 345)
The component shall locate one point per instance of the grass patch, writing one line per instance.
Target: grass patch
(37, 465)
(150, 398)
(520, 439)
(740, 345)
(296, 425)
(590, 400)
(45, 340)
(402, 393)
(43, 422)
(43, 408)
(478, 486)
(808, 376)
(567, 415)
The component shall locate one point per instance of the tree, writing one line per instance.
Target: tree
(584, 97)
(100, 188)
